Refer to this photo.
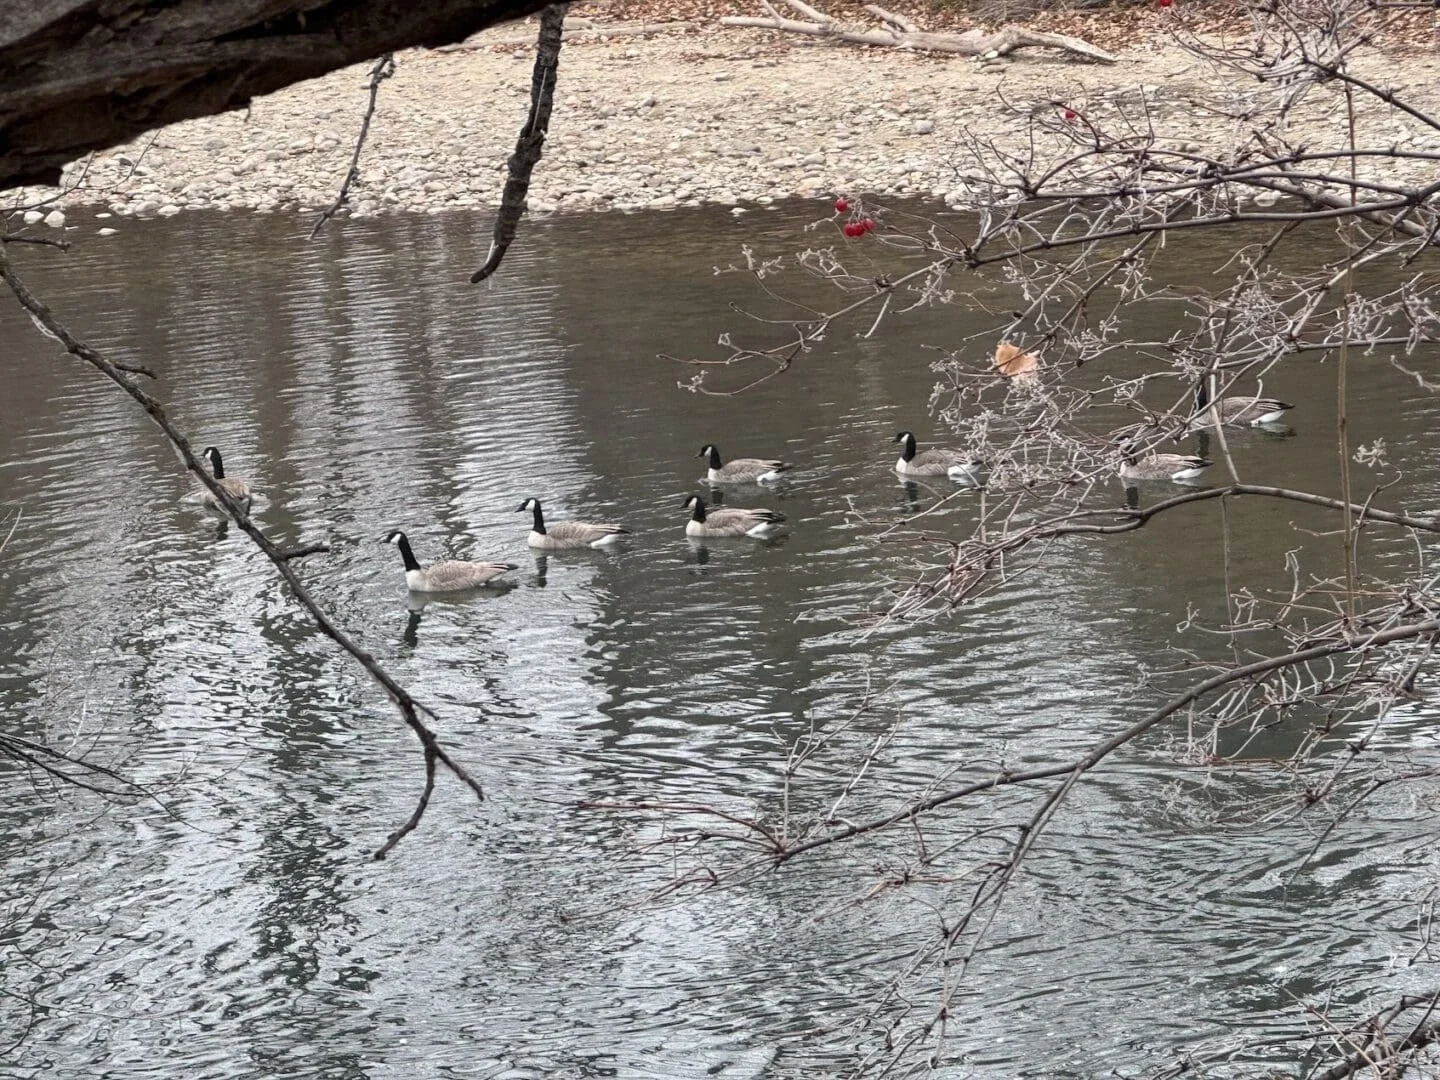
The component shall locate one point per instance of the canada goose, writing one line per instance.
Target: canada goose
(1237, 411)
(1177, 467)
(233, 486)
(729, 520)
(445, 576)
(569, 534)
(960, 467)
(741, 470)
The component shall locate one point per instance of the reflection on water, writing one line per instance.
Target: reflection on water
(360, 385)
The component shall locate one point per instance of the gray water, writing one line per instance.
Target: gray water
(360, 385)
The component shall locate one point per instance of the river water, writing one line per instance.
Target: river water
(236, 926)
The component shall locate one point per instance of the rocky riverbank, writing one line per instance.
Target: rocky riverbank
(680, 116)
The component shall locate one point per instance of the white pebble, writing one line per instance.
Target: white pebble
(55, 219)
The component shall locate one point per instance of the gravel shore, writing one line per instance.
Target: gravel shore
(678, 117)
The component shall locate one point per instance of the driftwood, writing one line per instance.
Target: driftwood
(902, 33)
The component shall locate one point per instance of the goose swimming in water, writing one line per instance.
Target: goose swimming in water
(568, 534)
(958, 466)
(444, 576)
(740, 470)
(729, 520)
(237, 489)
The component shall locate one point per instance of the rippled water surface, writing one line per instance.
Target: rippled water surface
(242, 930)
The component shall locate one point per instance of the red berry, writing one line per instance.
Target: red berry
(841, 205)
(1071, 116)
(1165, 3)
(853, 229)
(866, 225)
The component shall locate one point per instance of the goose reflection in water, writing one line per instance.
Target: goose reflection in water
(417, 602)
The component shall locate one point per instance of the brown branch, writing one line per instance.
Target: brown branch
(1421, 1035)
(410, 708)
(63, 245)
(383, 69)
(300, 551)
(424, 801)
(531, 142)
(40, 756)
(1100, 751)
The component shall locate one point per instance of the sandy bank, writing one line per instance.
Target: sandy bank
(675, 118)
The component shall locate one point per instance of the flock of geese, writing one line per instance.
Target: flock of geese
(720, 522)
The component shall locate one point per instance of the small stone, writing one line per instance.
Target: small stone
(647, 102)
(168, 210)
(55, 219)
(107, 231)
(723, 76)
(923, 127)
(33, 217)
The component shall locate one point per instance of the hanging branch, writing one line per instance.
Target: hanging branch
(531, 141)
(411, 710)
(383, 69)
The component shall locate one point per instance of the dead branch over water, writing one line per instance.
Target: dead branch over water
(1328, 253)
(411, 710)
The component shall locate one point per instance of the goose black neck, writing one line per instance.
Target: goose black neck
(909, 451)
(714, 457)
(216, 464)
(698, 513)
(1202, 393)
(539, 519)
(405, 553)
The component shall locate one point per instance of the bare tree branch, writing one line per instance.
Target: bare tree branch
(384, 68)
(411, 710)
(531, 143)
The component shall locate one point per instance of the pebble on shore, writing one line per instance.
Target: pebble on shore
(722, 117)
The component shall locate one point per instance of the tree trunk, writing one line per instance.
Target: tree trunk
(78, 75)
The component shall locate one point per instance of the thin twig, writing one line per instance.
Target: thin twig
(383, 69)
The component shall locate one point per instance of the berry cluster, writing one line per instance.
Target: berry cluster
(856, 227)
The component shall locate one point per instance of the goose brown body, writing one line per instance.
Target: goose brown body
(729, 520)
(1237, 411)
(1174, 467)
(955, 464)
(568, 534)
(740, 470)
(444, 576)
(233, 486)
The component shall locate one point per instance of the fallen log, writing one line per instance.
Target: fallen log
(77, 75)
(902, 33)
